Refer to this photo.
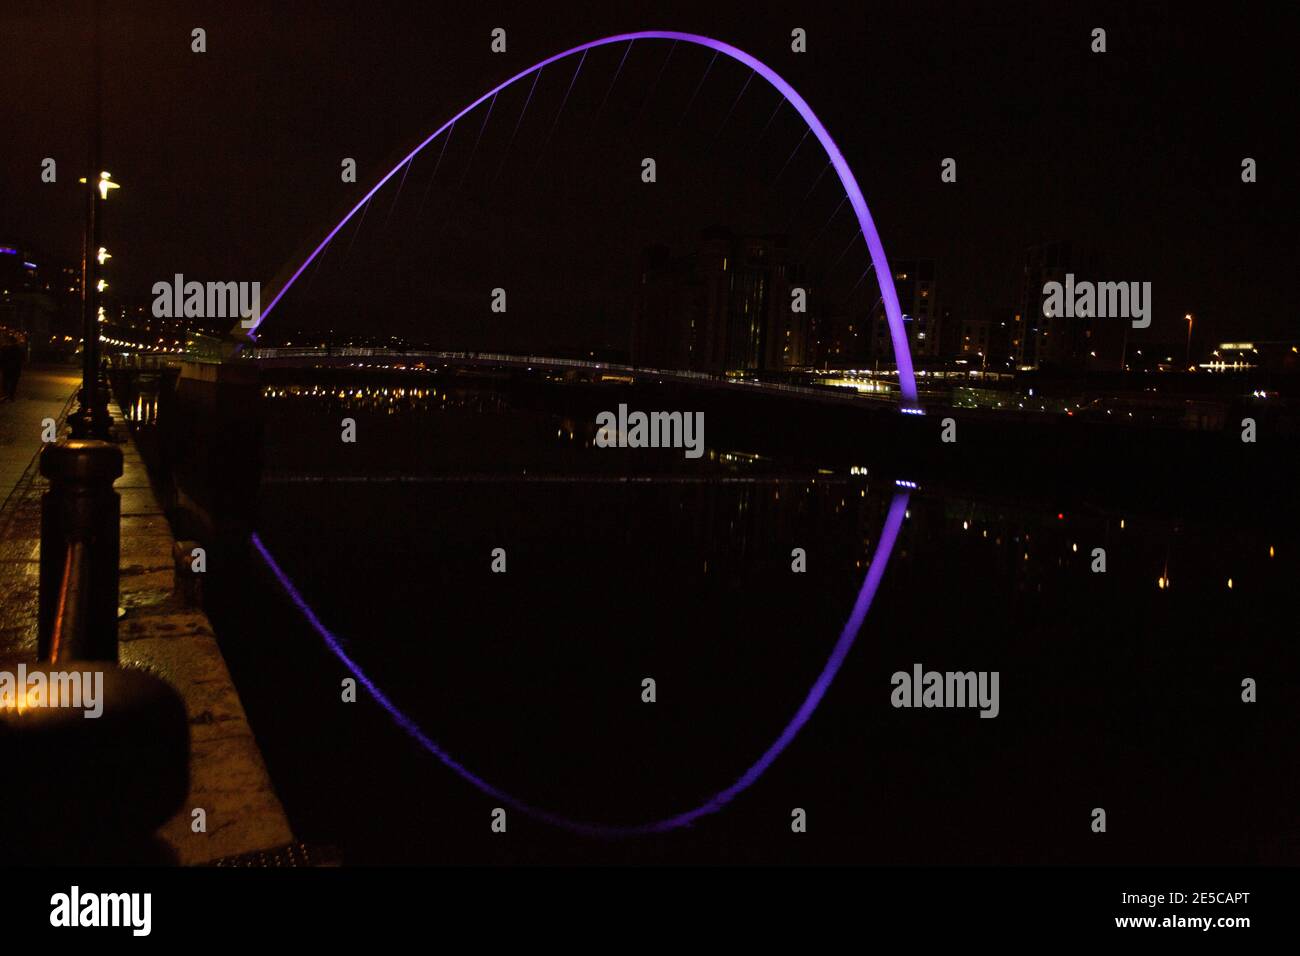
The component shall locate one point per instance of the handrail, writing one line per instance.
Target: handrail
(69, 618)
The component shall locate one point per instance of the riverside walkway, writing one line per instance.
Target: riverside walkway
(159, 632)
(43, 392)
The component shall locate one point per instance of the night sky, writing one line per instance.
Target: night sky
(230, 159)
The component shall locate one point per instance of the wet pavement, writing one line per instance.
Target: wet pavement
(43, 392)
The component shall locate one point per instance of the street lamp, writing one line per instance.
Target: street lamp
(91, 418)
(105, 184)
(80, 513)
(1188, 318)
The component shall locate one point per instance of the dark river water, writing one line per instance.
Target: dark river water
(1119, 690)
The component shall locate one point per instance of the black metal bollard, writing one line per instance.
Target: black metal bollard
(79, 551)
(104, 762)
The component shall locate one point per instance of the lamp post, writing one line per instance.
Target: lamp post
(91, 419)
(1188, 318)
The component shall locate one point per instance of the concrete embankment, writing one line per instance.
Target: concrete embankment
(160, 633)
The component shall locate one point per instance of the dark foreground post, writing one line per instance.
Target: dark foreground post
(104, 750)
(102, 761)
(79, 552)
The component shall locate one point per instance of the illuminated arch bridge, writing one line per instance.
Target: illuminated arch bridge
(889, 532)
(889, 297)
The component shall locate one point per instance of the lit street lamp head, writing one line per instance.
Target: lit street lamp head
(104, 183)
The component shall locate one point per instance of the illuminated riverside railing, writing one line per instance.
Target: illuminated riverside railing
(878, 388)
(839, 384)
(197, 347)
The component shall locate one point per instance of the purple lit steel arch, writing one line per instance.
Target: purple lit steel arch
(879, 560)
(884, 278)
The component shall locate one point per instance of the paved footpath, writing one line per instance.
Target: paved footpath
(43, 392)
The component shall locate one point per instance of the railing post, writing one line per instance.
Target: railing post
(79, 518)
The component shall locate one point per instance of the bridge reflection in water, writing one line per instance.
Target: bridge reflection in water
(625, 564)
